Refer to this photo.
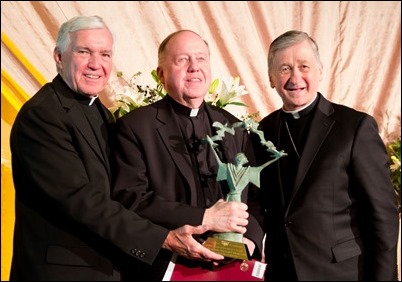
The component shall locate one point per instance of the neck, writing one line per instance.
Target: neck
(192, 103)
(292, 110)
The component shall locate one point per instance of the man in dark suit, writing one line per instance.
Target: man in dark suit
(164, 170)
(66, 225)
(330, 211)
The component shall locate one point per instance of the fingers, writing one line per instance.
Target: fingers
(238, 229)
(196, 230)
(182, 243)
(208, 255)
(227, 217)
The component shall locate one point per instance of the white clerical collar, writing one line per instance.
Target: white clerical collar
(93, 98)
(296, 114)
(194, 112)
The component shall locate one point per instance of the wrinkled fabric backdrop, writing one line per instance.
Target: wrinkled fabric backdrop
(360, 47)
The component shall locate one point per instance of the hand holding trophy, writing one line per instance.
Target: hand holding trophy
(237, 176)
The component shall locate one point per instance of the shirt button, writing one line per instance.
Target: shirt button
(288, 222)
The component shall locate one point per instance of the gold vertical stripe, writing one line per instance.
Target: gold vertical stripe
(8, 94)
(13, 87)
(28, 66)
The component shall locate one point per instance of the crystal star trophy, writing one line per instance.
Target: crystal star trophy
(237, 176)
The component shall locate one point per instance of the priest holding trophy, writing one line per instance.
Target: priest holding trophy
(165, 173)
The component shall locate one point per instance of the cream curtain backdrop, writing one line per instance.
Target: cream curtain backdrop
(360, 46)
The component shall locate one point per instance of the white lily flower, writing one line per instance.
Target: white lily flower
(223, 92)
(231, 90)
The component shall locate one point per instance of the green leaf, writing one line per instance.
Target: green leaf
(219, 104)
(155, 76)
(237, 104)
(213, 86)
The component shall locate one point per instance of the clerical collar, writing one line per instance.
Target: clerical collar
(303, 111)
(85, 100)
(184, 110)
(93, 98)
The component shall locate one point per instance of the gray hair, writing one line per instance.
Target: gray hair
(75, 24)
(289, 39)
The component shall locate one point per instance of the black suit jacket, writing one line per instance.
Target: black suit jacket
(342, 220)
(66, 225)
(155, 176)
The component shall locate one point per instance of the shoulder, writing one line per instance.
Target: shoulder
(221, 114)
(143, 116)
(347, 118)
(143, 111)
(41, 104)
(268, 119)
(348, 115)
(339, 110)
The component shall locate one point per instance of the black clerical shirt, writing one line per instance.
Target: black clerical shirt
(293, 133)
(93, 111)
(195, 125)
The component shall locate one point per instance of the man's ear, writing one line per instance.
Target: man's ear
(271, 82)
(57, 56)
(159, 72)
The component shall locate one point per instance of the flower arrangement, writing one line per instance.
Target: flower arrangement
(394, 151)
(221, 93)
(133, 95)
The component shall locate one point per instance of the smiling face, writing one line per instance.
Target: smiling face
(184, 68)
(86, 64)
(296, 74)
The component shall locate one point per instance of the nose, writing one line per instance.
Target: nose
(295, 76)
(94, 61)
(193, 66)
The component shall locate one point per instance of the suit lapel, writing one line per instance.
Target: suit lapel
(172, 138)
(73, 110)
(321, 125)
(81, 122)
